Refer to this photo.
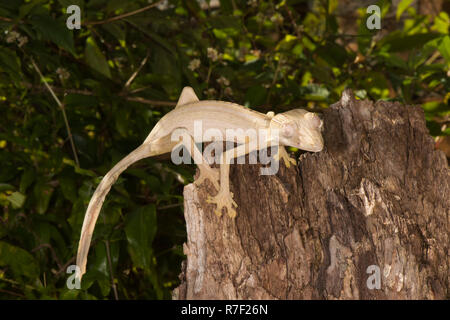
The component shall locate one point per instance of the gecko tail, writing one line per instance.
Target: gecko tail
(96, 202)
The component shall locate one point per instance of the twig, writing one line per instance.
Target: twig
(47, 245)
(154, 102)
(92, 23)
(6, 19)
(15, 283)
(297, 30)
(209, 74)
(89, 93)
(113, 285)
(61, 106)
(12, 293)
(143, 62)
(64, 267)
(169, 206)
(139, 90)
(277, 70)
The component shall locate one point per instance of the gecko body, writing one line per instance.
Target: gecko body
(297, 128)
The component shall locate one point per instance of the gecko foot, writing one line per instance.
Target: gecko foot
(210, 174)
(223, 199)
(282, 154)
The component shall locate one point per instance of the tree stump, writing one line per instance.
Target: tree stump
(374, 203)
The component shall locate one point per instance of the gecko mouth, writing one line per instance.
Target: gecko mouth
(315, 149)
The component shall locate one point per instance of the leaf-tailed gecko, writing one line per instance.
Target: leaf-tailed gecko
(296, 128)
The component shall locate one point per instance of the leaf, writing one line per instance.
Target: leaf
(43, 193)
(19, 261)
(122, 116)
(68, 187)
(444, 48)
(25, 9)
(117, 30)
(69, 294)
(9, 63)
(79, 100)
(54, 31)
(255, 96)
(17, 199)
(6, 187)
(27, 179)
(79, 170)
(100, 268)
(95, 58)
(162, 42)
(402, 6)
(441, 23)
(314, 92)
(333, 54)
(77, 216)
(152, 181)
(140, 230)
(67, 3)
(398, 42)
(165, 66)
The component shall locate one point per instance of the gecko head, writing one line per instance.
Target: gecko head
(300, 129)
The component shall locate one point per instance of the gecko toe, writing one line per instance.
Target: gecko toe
(231, 213)
(223, 199)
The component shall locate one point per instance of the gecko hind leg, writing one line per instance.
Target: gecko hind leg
(224, 197)
(206, 172)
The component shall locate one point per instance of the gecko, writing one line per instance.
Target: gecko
(295, 128)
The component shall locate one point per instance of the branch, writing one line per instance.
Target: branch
(92, 23)
(6, 19)
(108, 254)
(153, 102)
(137, 71)
(89, 93)
(66, 122)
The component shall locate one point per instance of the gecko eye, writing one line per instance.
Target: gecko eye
(288, 129)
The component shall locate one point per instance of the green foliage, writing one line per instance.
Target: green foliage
(116, 77)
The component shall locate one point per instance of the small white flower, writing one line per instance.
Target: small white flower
(22, 40)
(256, 53)
(194, 64)
(210, 92)
(164, 5)
(62, 73)
(277, 18)
(213, 55)
(12, 36)
(228, 91)
(223, 81)
(260, 17)
(211, 4)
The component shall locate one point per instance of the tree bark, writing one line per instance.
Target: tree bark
(377, 195)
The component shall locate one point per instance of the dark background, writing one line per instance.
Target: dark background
(117, 75)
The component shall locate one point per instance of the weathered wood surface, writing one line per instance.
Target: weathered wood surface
(377, 195)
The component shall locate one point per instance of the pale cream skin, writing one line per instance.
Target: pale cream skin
(297, 128)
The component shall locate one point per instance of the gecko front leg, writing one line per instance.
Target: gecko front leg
(281, 151)
(282, 154)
